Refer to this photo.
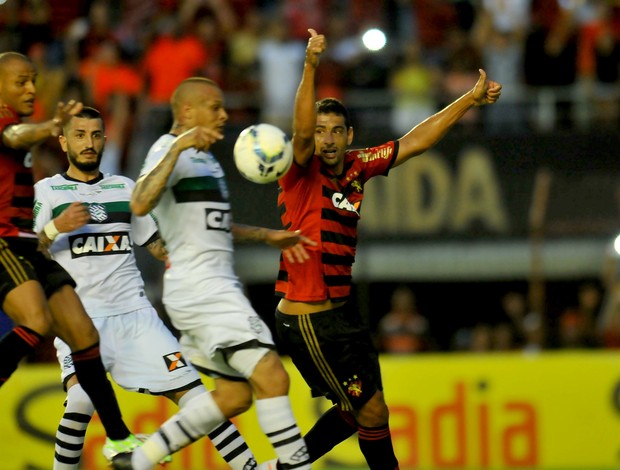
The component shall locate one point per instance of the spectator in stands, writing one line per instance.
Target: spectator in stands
(113, 86)
(280, 59)
(499, 35)
(550, 60)
(404, 329)
(413, 87)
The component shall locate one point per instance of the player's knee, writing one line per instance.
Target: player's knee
(374, 413)
(80, 399)
(270, 378)
(38, 320)
(233, 404)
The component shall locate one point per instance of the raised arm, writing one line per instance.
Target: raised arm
(430, 131)
(26, 135)
(151, 186)
(304, 117)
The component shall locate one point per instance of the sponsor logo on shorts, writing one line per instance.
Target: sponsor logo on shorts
(67, 362)
(354, 386)
(174, 361)
(256, 325)
(98, 244)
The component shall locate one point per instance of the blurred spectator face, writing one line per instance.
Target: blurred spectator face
(589, 297)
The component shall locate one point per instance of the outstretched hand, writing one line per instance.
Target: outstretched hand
(486, 92)
(292, 244)
(199, 137)
(316, 46)
(64, 112)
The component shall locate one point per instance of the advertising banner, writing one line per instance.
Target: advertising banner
(554, 411)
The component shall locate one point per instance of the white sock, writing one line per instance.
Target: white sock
(276, 419)
(72, 429)
(197, 418)
(232, 447)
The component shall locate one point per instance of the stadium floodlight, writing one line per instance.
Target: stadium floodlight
(374, 39)
(617, 245)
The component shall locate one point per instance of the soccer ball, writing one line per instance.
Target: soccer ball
(263, 153)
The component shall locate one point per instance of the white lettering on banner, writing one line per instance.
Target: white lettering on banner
(426, 196)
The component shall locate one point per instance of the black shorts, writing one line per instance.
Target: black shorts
(20, 261)
(334, 353)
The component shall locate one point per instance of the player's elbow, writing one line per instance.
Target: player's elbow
(138, 208)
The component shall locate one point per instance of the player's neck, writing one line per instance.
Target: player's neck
(84, 176)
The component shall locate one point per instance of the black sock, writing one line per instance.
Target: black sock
(14, 346)
(333, 427)
(376, 445)
(92, 376)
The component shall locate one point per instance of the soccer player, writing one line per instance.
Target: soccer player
(183, 184)
(96, 234)
(321, 195)
(37, 293)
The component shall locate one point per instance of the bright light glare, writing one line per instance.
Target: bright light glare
(374, 39)
(617, 245)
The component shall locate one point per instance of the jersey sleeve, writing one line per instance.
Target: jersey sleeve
(42, 210)
(143, 228)
(155, 154)
(8, 117)
(378, 160)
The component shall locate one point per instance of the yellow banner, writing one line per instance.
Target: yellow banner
(556, 411)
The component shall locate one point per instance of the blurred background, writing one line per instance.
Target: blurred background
(499, 241)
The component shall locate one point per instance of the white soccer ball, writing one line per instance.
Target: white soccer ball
(263, 153)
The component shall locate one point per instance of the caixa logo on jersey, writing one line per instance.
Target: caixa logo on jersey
(97, 244)
(218, 219)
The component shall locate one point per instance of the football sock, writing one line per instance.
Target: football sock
(333, 427)
(232, 447)
(376, 445)
(199, 416)
(92, 376)
(14, 346)
(276, 420)
(72, 429)
(226, 438)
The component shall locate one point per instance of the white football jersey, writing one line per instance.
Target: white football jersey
(99, 256)
(195, 220)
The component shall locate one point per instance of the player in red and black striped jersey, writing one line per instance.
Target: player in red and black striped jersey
(322, 195)
(36, 292)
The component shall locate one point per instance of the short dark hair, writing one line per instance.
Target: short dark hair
(87, 112)
(333, 106)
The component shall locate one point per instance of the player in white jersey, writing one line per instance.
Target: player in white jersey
(184, 186)
(96, 235)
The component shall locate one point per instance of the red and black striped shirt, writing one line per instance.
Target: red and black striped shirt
(326, 208)
(16, 183)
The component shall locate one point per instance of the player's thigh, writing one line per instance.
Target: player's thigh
(26, 305)
(71, 322)
(21, 295)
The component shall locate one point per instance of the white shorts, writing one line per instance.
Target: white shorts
(139, 352)
(224, 336)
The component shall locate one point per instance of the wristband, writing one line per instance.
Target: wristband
(50, 230)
